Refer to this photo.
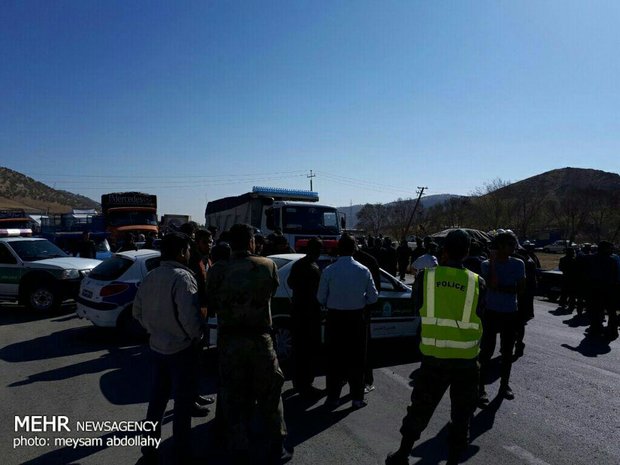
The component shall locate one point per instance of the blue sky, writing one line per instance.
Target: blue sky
(196, 100)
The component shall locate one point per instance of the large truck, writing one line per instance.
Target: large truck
(15, 218)
(65, 230)
(129, 212)
(296, 213)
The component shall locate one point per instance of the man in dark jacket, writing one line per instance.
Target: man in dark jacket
(87, 247)
(306, 318)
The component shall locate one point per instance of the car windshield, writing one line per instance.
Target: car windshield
(111, 269)
(310, 220)
(30, 251)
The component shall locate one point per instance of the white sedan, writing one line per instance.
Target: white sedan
(393, 316)
(106, 295)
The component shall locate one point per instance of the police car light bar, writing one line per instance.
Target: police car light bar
(15, 232)
(287, 193)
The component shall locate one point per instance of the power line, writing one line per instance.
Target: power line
(162, 176)
(362, 184)
(175, 184)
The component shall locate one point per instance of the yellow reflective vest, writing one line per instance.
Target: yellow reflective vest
(450, 326)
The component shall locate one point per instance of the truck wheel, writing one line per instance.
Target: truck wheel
(43, 298)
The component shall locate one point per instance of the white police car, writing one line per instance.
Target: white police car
(106, 295)
(393, 317)
(36, 272)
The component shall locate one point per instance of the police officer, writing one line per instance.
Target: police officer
(450, 301)
(239, 291)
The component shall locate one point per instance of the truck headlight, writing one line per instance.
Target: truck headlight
(70, 274)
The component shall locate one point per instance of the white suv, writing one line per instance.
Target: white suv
(37, 273)
(558, 246)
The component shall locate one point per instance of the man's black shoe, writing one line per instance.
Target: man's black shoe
(483, 400)
(279, 453)
(506, 393)
(519, 347)
(200, 410)
(205, 400)
(396, 458)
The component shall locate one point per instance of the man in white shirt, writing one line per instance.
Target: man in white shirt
(346, 288)
(428, 260)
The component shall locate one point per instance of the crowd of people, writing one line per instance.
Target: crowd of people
(466, 293)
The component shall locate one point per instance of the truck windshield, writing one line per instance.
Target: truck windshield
(129, 218)
(30, 251)
(310, 220)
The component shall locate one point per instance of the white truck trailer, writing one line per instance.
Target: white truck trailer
(296, 213)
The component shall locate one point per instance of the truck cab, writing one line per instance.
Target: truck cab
(295, 213)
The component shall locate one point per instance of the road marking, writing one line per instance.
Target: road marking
(396, 377)
(527, 456)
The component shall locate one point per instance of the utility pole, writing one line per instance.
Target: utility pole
(311, 176)
(415, 207)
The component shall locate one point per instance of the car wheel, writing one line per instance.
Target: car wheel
(283, 341)
(43, 298)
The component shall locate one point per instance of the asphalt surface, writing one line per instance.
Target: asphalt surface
(566, 409)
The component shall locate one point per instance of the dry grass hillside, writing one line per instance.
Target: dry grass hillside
(20, 191)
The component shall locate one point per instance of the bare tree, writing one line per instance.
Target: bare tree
(526, 207)
(398, 214)
(569, 212)
(491, 207)
(372, 218)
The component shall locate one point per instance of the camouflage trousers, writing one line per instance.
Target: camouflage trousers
(435, 376)
(250, 389)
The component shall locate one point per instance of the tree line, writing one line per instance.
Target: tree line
(578, 214)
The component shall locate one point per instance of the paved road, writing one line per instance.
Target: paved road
(566, 409)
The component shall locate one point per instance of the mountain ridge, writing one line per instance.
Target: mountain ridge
(20, 191)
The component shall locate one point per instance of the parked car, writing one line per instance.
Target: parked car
(393, 316)
(550, 284)
(558, 246)
(37, 273)
(106, 295)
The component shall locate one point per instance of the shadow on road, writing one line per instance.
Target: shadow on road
(435, 450)
(11, 314)
(590, 347)
(560, 311)
(577, 320)
(67, 342)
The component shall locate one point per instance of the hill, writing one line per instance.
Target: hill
(20, 191)
(556, 184)
(427, 202)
